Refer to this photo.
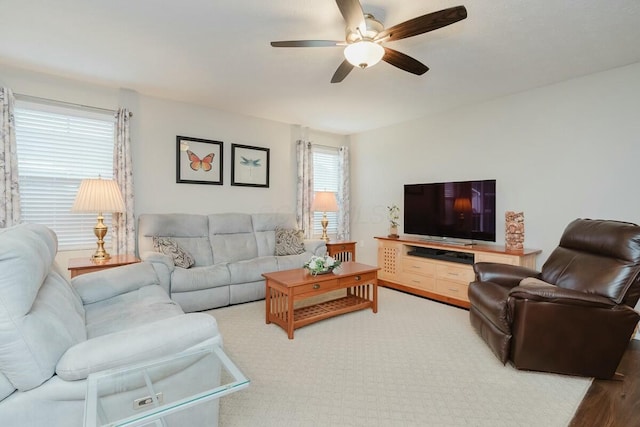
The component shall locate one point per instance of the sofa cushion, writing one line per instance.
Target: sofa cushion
(251, 270)
(232, 238)
(129, 310)
(288, 241)
(264, 227)
(189, 231)
(289, 262)
(197, 278)
(168, 246)
(41, 316)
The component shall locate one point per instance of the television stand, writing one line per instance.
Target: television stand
(440, 270)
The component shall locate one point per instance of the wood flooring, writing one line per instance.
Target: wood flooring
(610, 403)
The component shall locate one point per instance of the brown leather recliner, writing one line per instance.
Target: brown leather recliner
(574, 317)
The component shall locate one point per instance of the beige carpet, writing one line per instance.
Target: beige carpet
(414, 363)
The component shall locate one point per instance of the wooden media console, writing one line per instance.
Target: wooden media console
(440, 271)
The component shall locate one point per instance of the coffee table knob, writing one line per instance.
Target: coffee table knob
(316, 286)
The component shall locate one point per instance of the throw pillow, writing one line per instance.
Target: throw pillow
(289, 241)
(168, 246)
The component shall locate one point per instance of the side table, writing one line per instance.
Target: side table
(342, 251)
(78, 266)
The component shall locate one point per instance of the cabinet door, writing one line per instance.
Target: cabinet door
(388, 260)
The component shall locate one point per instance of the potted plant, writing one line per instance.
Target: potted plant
(394, 217)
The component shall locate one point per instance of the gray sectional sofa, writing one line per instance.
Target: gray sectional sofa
(230, 250)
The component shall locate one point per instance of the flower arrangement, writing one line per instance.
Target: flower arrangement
(321, 264)
(394, 215)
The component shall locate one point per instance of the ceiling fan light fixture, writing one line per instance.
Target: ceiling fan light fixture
(364, 53)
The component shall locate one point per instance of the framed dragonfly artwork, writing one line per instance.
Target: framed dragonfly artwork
(249, 166)
(198, 161)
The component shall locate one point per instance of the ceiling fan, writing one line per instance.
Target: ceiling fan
(365, 36)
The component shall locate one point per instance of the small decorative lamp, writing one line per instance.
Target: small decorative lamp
(324, 201)
(99, 196)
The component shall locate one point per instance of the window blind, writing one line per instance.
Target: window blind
(57, 147)
(325, 178)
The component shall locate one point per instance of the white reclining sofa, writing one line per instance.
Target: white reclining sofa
(230, 252)
(53, 335)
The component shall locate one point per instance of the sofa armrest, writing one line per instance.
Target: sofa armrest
(163, 265)
(107, 283)
(502, 274)
(537, 290)
(158, 257)
(150, 341)
(317, 247)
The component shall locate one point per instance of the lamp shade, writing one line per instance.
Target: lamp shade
(364, 53)
(462, 204)
(98, 196)
(325, 201)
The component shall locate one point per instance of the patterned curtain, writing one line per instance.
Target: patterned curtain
(10, 209)
(304, 197)
(123, 223)
(344, 197)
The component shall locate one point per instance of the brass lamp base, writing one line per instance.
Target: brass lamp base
(100, 230)
(324, 222)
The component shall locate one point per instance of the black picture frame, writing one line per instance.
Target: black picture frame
(199, 161)
(249, 166)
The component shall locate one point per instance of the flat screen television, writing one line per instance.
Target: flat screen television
(460, 210)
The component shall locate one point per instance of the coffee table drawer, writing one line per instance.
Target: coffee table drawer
(359, 279)
(319, 286)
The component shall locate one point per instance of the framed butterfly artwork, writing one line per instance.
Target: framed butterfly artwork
(249, 166)
(198, 161)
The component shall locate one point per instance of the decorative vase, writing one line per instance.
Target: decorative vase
(514, 230)
(393, 231)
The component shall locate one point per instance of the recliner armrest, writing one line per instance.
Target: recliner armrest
(542, 291)
(146, 342)
(163, 265)
(107, 283)
(502, 274)
(317, 247)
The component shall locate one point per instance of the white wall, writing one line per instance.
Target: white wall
(154, 127)
(558, 153)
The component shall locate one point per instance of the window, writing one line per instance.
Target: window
(58, 147)
(325, 178)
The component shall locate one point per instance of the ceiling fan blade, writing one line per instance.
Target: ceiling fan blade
(343, 71)
(423, 24)
(307, 43)
(404, 62)
(352, 13)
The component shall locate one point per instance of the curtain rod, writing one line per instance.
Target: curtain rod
(332, 147)
(24, 97)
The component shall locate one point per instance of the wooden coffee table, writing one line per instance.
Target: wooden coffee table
(283, 288)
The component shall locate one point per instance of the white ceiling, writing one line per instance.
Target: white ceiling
(217, 53)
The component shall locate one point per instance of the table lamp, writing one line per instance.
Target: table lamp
(99, 196)
(324, 201)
